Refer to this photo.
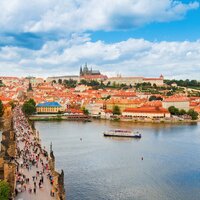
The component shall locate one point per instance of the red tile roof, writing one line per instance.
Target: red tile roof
(147, 110)
(176, 99)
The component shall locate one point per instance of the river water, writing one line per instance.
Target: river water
(111, 168)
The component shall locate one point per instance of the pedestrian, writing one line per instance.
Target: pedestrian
(52, 192)
(42, 179)
(16, 192)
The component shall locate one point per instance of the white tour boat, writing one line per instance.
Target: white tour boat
(122, 133)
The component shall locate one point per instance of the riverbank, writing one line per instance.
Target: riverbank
(58, 117)
(160, 121)
(84, 118)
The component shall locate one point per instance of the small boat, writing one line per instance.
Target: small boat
(122, 133)
(87, 120)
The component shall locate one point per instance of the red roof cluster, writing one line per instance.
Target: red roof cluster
(147, 110)
(176, 99)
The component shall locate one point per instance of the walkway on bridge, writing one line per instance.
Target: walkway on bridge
(33, 178)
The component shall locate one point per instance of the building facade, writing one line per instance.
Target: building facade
(178, 102)
(146, 112)
(135, 80)
(49, 107)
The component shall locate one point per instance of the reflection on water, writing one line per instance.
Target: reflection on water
(123, 139)
(111, 168)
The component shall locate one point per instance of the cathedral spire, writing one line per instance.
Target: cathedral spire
(81, 71)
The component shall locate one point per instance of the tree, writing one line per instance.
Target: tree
(31, 101)
(159, 98)
(60, 81)
(114, 84)
(154, 85)
(169, 93)
(1, 108)
(116, 110)
(193, 114)
(173, 110)
(85, 111)
(70, 83)
(1, 83)
(83, 81)
(182, 112)
(4, 190)
(108, 83)
(29, 107)
(152, 98)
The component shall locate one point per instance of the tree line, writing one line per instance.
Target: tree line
(93, 83)
(183, 83)
(180, 112)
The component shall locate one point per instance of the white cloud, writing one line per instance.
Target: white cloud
(64, 16)
(136, 57)
(64, 56)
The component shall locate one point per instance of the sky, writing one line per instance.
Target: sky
(129, 37)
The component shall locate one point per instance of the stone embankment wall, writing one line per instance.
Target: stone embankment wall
(8, 163)
(58, 179)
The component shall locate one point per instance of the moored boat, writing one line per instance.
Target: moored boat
(122, 133)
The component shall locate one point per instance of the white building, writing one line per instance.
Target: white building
(178, 102)
(94, 109)
(146, 112)
(135, 80)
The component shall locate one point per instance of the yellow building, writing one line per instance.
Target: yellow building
(124, 103)
(49, 107)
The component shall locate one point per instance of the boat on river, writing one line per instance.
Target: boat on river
(122, 133)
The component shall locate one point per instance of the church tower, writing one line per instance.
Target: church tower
(81, 71)
(29, 91)
(85, 70)
(29, 87)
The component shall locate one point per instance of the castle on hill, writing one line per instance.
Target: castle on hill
(84, 71)
(89, 74)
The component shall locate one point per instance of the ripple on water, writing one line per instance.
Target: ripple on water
(107, 168)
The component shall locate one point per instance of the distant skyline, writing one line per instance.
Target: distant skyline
(128, 37)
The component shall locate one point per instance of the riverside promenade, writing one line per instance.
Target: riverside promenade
(34, 179)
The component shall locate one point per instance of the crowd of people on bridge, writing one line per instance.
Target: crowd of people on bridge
(32, 160)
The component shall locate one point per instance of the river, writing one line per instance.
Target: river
(99, 168)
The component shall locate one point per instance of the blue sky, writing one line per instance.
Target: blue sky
(130, 37)
(187, 28)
